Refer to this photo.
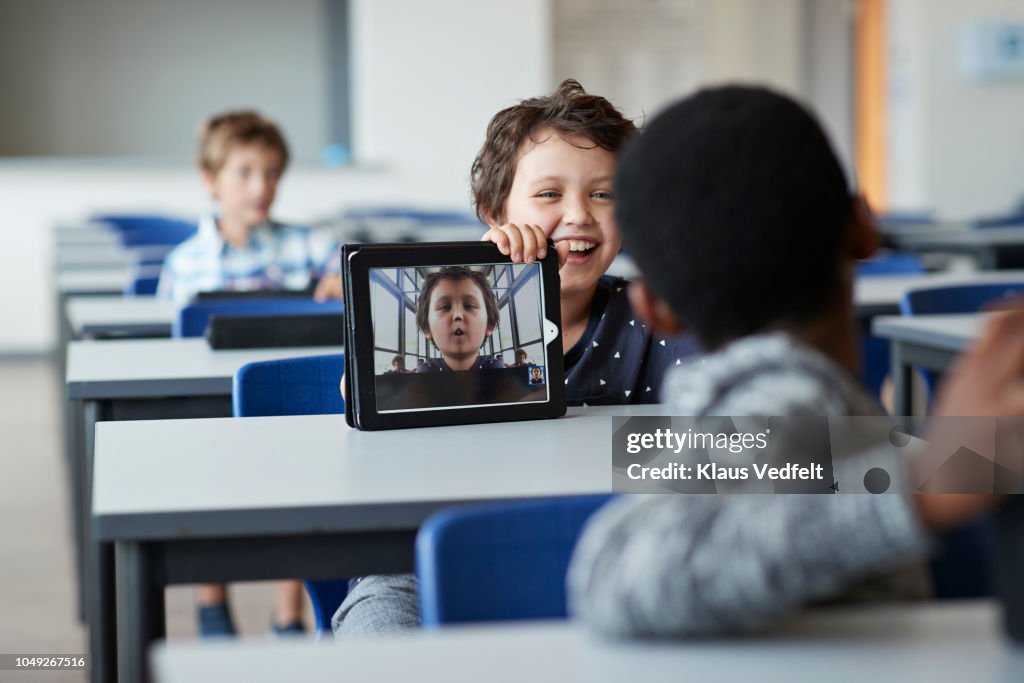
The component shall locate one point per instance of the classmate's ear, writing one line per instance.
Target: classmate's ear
(652, 311)
(862, 236)
(209, 182)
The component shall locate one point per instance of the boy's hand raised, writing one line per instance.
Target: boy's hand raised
(525, 243)
(987, 381)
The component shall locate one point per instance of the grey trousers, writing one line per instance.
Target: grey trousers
(378, 604)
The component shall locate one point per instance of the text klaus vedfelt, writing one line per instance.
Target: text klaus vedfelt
(666, 439)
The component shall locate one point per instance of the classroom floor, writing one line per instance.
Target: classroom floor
(37, 590)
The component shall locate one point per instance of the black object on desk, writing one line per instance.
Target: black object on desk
(270, 331)
(1010, 565)
(254, 294)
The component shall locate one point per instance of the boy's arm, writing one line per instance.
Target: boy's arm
(169, 285)
(677, 565)
(325, 253)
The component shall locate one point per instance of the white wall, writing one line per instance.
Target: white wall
(428, 76)
(956, 146)
(135, 77)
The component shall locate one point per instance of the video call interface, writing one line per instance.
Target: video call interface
(447, 337)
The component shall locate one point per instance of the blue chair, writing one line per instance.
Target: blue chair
(296, 386)
(968, 298)
(142, 285)
(293, 386)
(193, 318)
(874, 350)
(498, 562)
(137, 231)
(1012, 220)
(891, 263)
(423, 216)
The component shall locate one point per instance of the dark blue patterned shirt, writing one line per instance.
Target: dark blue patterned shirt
(617, 360)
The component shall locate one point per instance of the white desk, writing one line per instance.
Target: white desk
(103, 256)
(951, 642)
(131, 369)
(143, 379)
(86, 237)
(929, 341)
(306, 496)
(111, 280)
(119, 316)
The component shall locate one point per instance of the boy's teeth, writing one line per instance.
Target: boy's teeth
(580, 245)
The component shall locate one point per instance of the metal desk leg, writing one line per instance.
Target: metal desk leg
(902, 377)
(73, 444)
(102, 625)
(140, 609)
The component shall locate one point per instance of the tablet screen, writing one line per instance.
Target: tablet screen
(457, 336)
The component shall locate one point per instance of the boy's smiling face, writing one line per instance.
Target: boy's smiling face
(246, 184)
(564, 185)
(457, 319)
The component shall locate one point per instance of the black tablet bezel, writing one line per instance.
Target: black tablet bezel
(358, 260)
(348, 338)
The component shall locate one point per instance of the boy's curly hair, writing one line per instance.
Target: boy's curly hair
(222, 132)
(569, 110)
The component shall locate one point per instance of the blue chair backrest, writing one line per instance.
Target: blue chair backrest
(968, 298)
(142, 285)
(296, 386)
(497, 562)
(291, 386)
(1008, 221)
(892, 263)
(138, 231)
(412, 214)
(193, 317)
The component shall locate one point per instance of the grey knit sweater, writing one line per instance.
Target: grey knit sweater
(677, 564)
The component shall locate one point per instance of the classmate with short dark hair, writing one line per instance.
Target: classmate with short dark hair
(737, 212)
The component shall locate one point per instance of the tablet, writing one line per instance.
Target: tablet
(450, 333)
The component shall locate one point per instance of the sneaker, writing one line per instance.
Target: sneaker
(215, 621)
(293, 628)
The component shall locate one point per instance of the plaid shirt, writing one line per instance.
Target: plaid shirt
(277, 257)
